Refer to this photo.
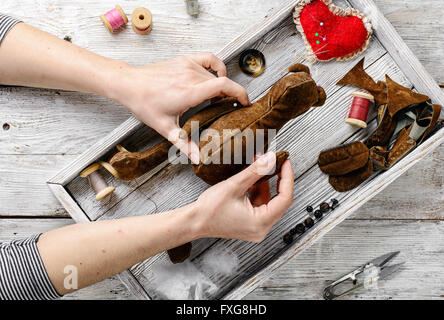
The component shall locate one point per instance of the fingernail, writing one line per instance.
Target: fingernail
(195, 158)
(267, 158)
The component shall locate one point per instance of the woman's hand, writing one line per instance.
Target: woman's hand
(159, 94)
(225, 210)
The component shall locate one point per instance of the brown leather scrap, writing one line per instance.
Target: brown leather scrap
(343, 159)
(352, 179)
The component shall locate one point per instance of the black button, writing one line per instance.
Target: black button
(309, 222)
(324, 206)
(309, 209)
(318, 214)
(300, 228)
(288, 238)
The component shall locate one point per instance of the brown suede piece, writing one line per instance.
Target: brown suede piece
(358, 77)
(383, 132)
(379, 155)
(399, 97)
(343, 159)
(180, 254)
(353, 179)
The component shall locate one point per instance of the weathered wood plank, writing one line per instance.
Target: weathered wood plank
(353, 243)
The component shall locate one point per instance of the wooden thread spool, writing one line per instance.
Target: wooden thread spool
(114, 19)
(359, 109)
(96, 181)
(142, 21)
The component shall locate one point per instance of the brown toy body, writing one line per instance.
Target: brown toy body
(287, 99)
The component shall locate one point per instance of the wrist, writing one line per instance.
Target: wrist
(193, 221)
(115, 84)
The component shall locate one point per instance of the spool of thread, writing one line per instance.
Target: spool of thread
(114, 19)
(359, 109)
(142, 21)
(96, 181)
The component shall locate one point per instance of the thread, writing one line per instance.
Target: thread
(142, 21)
(96, 181)
(114, 19)
(359, 109)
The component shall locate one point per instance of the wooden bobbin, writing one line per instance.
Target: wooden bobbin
(360, 122)
(106, 22)
(96, 181)
(110, 169)
(142, 21)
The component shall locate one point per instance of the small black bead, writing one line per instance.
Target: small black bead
(324, 206)
(288, 238)
(334, 201)
(300, 228)
(293, 231)
(309, 209)
(318, 214)
(309, 222)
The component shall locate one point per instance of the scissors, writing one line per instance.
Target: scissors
(363, 276)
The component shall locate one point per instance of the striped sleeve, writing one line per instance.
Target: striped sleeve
(6, 23)
(22, 273)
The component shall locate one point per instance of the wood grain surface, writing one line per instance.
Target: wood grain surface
(48, 129)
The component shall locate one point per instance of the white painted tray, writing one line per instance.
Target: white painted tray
(171, 186)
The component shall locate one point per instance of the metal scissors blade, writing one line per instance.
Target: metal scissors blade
(382, 260)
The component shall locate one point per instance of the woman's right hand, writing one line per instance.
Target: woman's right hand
(226, 211)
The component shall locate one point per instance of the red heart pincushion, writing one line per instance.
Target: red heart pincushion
(332, 32)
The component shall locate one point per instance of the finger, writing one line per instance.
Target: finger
(260, 193)
(220, 86)
(245, 179)
(186, 146)
(210, 61)
(279, 204)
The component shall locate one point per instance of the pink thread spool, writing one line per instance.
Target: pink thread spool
(114, 19)
(359, 109)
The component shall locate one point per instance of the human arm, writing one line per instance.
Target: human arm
(101, 249)
(157, 94)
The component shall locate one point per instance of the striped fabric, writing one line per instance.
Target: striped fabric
(6, 23)
(22, 273)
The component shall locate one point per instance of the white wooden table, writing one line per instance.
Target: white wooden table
(47, 132)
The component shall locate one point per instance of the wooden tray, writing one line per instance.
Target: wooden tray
(171, 186)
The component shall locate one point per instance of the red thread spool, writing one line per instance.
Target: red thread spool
(359, 109)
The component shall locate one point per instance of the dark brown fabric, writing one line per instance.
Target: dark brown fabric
(399, 97)
(180, 254)
(343, 159)
(352, 179)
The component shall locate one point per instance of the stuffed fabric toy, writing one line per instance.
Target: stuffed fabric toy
(287, 99)
(405, 120)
